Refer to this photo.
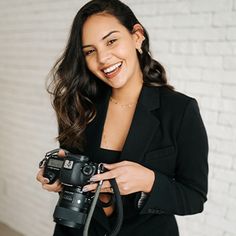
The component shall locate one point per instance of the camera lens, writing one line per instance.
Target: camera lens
(87, 170)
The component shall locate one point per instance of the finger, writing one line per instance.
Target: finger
(55, 187)
(93, 186)
(40, 177)
(118, 164)
(107, 190)
(89, 187)
(104, 176)
(61, 153)
(56, 190)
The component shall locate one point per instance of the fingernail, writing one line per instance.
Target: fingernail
(45, 180)
(85, 189)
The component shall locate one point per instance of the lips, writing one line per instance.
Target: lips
(112, 71)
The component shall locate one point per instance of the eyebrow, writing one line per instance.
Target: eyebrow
(104, 37)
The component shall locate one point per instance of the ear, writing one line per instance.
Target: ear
(138, 35)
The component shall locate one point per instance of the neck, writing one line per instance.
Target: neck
(127, 94)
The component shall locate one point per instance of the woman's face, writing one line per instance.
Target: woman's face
(110, 50)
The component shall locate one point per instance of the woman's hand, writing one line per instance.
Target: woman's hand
(131, 177)
(55, 187)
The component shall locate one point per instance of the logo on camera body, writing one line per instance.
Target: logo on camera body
(68, 164)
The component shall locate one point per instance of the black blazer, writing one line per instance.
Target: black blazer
(168, 136)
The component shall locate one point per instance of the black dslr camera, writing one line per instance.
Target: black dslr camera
(73, 171)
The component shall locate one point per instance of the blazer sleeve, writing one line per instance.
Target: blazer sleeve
(185, 193)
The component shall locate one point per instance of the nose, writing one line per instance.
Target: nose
(103, 56)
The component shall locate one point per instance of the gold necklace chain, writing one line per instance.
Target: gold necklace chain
(122, 105)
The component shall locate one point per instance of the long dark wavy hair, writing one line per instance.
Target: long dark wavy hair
(75, 89)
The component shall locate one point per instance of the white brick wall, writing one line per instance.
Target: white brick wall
(196, 42)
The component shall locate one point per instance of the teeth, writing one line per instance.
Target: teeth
(112, 68)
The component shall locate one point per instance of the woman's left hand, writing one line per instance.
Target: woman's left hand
(131, 177)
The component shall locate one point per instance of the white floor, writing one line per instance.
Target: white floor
(6, 231)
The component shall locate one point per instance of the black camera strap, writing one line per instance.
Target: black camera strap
(119, 208)
(119, 204)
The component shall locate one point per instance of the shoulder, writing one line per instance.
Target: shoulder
(175, 101)
(171, 105)
(174, 97)
(167, 100)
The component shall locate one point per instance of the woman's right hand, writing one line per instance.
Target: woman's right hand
(55, 187)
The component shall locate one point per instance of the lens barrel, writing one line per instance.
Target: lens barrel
(72, 207)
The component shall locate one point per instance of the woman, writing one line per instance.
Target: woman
(113, 104)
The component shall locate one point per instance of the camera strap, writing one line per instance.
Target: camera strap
(119, 204)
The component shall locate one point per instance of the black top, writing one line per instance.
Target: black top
(107, 156)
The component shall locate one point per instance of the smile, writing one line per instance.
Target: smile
(112, 69)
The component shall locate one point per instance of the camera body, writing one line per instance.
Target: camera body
(73, 171)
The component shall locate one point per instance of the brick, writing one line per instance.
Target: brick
(142, 10)
(214, 209)
(229, 234)
(203, 88)
(220, 146)
(219, 48)
(232, 190)
(192, 20)
(211, 5)
(227, 119)
(220, 160)
(172, 60)
(224, 19)
(205, 61)
(234, 165)
(158, 21)
(224, 225)
(209, 116)
(160, 46)
(178, 84)
(219, 75)
(211, 230)
(226, 175)
(187, 47)
(234, 47)
(229, 91)
(230, 62)
(226, 147)
(186, 73)
(221, 132)
(231, 34)
(222, 199)
(219, 186)
(195, 34)
(214, 103)
(203, 230)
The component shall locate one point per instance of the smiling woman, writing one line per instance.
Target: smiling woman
(114, 105)
(110, 51)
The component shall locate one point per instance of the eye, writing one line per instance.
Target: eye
(89, 52)
(110, 42)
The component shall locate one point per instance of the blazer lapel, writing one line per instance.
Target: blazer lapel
(143, 126)
(95, 128)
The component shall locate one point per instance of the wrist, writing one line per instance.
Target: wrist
(150, 181)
